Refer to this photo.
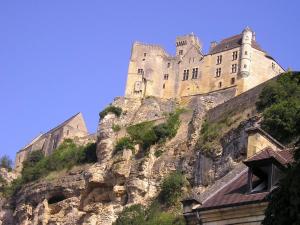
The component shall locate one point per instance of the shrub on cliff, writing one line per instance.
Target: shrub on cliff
(124, 143)
(111, 109)
(279, 103)
(5, 162)
(152, 215)
(67, 155)
(147, 134)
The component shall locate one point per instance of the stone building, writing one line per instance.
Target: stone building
(236, 62)
(240, 197)
(73, 128)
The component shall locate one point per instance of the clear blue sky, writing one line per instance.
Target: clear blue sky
(60, 57)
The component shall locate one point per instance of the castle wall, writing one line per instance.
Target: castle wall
(152, 72)
(262, 69)
(225, 79)
(244, 103)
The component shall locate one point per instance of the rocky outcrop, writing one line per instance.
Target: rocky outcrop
(96, 194)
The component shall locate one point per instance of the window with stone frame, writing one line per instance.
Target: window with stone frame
(185, 75)
(166, 76)
(232, 80)
(220, 84)
(140, 71)
(233, 68)
(180, 52)
(195, 73)
(219, 59)
(234, 55)
(218, 72)
(273, 65)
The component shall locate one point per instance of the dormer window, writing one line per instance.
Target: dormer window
(264, 173)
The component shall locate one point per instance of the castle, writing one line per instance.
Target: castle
(73, 128)
(237, 62)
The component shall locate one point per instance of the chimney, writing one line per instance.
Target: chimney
(212, 45)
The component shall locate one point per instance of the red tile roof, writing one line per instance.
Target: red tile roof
(235, 192)
(283, 157)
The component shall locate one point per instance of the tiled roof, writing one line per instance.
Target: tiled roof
(283, 157)
(235, 191)
(232, 42)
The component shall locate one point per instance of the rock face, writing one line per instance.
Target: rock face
(95, 194)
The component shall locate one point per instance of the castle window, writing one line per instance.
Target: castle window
(195, 73)
(186, 74)
(68, 132)
(168, 65)
(246, 53)
(145, 54)
(164, 86)
(218, 72)
(141, 71)
(234, 55)
(232, 80)
(220, 84)
(166, 76)
(245, 66)
(180, 52)
(219, 59)
(273, 65)
(233, 68)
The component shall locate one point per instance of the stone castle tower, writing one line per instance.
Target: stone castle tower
(237, 62)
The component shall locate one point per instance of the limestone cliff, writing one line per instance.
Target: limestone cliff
(96, 193)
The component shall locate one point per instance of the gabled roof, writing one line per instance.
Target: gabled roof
(234, 193)
(50, 131)
(232, 42)
(62, 124)
(268, 136)
(284, 157)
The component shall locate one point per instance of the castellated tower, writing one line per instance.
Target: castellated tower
(236, 63)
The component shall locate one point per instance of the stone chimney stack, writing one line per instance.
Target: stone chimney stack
(212, 45)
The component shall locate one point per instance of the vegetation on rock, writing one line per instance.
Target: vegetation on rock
(124, 143)
(147, 134)
(5, 162)
(67, 155)
(166, 211)
(111, 109)
(171, 188)
(279, 103)
(211, 132)
(116, 127)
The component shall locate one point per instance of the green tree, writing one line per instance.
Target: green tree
(5, 162)
(284, 206)
(279, 103)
